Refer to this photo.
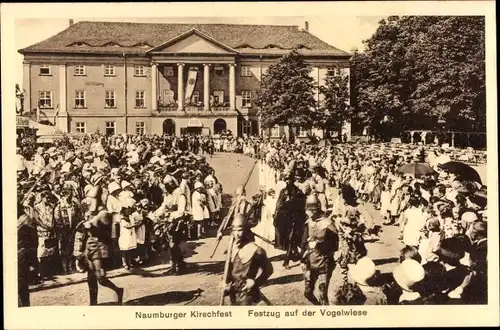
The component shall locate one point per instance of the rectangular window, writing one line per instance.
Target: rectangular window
(196, 97)
(110, 101)
(140, 101)
(140, 127)
(45, 99)
(109, 70)
(110, 128)
(219, 71)
(139, 70)
(275, 131)
(218, 97)
(81, 127)
(79, 70)
(80, 99)
(246, 127)
(169, 71)
(246, 71)
(45, 70)
(246, 99)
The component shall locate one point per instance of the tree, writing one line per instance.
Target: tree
(418, 70)
(286, 95)
(335, 109)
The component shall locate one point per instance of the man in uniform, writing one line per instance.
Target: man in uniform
(98, 228)
(174, 209)
(320, 241)
(249, 268)
(289, 218)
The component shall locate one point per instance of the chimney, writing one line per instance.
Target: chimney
(71, 22)
(306, 26)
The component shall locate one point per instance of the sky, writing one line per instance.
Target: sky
(342, 32)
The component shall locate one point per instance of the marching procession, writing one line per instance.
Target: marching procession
(93, 203)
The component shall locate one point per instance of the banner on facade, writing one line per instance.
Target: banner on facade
(191, 82)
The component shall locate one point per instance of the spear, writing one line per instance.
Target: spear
(226, 268)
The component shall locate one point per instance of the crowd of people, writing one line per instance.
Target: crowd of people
(127, 199)
(124, 200)
(440, 212)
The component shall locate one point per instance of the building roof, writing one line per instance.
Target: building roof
(138, 38)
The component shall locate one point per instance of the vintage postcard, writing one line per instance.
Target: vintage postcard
(248, 165)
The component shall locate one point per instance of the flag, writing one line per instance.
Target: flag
(192, 75)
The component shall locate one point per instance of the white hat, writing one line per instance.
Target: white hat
(469, 217)
(198, 184)
(168, 180)
(408, 273)
(363, 270)
(113, 186)
(125, 184)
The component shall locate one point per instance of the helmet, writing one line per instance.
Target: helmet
(240, 190)
(239, 221)
(312, 202)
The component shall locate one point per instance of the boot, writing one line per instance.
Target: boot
(93, 296)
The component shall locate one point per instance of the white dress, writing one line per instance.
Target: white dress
(266, 228)
(128, 237)
(197, 207)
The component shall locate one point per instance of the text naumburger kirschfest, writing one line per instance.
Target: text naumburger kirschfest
(194, 314)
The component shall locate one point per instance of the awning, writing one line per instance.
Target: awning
(194, 122)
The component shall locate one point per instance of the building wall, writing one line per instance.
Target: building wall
(156, 123)
(94, 83)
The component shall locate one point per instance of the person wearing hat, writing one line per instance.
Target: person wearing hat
(199, 200)
(290, 217)
(26, 252)
(250, 268)
(450, 252)
(477, 291)
(365, 274)
(100, 162)
(66, 216)
(173, 209)
(97, 226)
(319, 243)
(409, 275)
(38, 161)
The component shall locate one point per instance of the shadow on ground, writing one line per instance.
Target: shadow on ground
(207, 268)
(285, 279)
(172, 297)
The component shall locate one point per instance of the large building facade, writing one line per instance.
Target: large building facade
(138, 78)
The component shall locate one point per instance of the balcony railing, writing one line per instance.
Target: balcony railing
(167, 108)
(219, 108)
(192, 108)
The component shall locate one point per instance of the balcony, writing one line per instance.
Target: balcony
(167, 107)
(220, 108)
(193, 108)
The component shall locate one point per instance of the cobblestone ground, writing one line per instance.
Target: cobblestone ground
(200, 285)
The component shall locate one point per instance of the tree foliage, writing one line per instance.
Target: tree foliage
(286, 95)
(335, 109)
(418, 70)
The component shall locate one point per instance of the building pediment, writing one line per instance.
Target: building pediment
(193, 42)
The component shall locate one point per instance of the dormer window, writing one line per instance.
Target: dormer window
(301, 47)
(79, 44)
(143, 46)
(112, 44)
(271, 46)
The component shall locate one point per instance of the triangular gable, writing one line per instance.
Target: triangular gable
(193, 41)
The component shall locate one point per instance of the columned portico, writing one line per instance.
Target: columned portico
(154, 86)
(232, 87)
(206, 87)
(180, 86)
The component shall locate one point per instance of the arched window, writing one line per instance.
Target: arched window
(169, 127)
(219, 126)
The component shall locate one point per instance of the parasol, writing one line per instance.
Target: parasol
(463, 171)
(416, 169)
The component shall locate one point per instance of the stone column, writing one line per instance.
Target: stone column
(27, 86)
(206, 87)
(180, 86)
(62, 116)
(154, 87)
(232, 87)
